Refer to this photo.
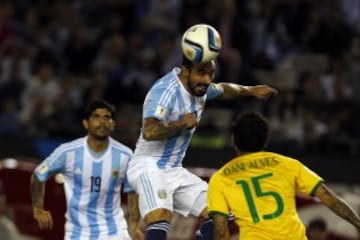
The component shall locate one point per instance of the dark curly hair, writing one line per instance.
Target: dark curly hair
(95, 104)
(250, 131)
(190, 64)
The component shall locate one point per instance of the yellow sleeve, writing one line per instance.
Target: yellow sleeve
(307, 181)
(216, 199)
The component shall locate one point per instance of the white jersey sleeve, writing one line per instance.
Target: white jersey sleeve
(214, 91)
(54, 163)
(159, 101)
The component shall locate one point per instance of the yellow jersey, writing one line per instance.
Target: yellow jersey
(259, 190)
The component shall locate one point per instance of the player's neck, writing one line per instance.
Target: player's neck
(241, 153)
(183, 80)
(97, 145)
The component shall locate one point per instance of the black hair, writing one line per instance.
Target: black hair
(1, 188)
(190, 64)
(95, 104)
(317, 223)
(251, 132)
(187, 63)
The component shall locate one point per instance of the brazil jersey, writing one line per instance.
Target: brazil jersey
(259, 190)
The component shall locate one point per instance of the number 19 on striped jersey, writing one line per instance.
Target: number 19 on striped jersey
(95, 184)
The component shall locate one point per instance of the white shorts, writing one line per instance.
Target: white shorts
(174, 189)
(121, 235)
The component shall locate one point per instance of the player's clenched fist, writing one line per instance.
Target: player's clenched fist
(263, 91)
(43, 218)
(190, 120)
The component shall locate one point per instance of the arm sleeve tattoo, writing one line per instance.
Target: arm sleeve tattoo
(154, 129)
(133, 209)
(221, 231)
(337, 205)
(37, 192)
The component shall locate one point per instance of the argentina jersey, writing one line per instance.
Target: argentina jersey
(92, 184)
(169, 101)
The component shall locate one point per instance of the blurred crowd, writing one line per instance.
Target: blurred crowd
(56, 55)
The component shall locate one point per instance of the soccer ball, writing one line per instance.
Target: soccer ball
(201, 43)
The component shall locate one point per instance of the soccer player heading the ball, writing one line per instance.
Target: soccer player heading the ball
(259, 188)
(172, 109)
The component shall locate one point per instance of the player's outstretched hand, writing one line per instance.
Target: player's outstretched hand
(43, 218)
(263, 91)
(190, 120)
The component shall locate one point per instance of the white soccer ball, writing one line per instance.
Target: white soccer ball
(201, 43)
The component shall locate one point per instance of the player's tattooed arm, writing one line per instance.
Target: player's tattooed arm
(154, 129)
(337, 205)
(37, 192)
(134, 216)
(232, 91)
(133, 208)
(42, 216)
(221, 229)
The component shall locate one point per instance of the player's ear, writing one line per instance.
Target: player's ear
(185, 72)
(113, 122)
(232, 141)
(85, 123)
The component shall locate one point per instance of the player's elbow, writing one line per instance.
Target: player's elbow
(34, 178)
(148, 136)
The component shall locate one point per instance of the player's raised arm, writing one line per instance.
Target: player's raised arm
(42, 216)
(232, 91)
(337, 205)
(154, 129)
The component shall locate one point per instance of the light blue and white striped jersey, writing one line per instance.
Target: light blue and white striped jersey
(168, 101)
(92, 184)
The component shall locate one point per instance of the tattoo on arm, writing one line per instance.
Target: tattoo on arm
(221, 229)
(337, 205)
(37, 192)
(133, 208)
(153, 129)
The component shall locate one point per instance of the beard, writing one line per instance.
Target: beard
(100, 135)
(198, 89)
(100, 138)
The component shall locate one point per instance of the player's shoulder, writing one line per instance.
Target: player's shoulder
(287, 160)
(167, 81)
(214, 91)
(163, 91)
(218, 175)
(285, 157)
(72, 145)
(216, 86)
(121, 147)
